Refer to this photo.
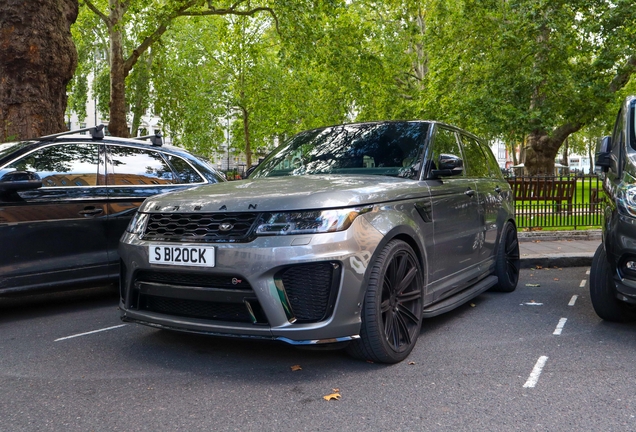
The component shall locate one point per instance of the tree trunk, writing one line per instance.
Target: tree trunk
(246, 133)
(37, 60)
(565, 155)
(540, 153)
(117, 122)
(543, 148)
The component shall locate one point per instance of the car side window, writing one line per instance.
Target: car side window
(185, 172)
(64, 165)
(495, 169)
(618, 138)
(130, 166)
(475, 159)
(444, 152)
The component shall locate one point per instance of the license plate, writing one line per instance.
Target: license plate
(202, 256)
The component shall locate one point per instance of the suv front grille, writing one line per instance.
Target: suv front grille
(193, 279)
(200, 227)
(196, 309)
(193, 295)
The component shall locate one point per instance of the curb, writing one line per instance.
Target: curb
(580, 259)
(525, 236)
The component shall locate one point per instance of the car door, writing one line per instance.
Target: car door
(134, 174)
(490, 185)
(55, 234)
(455, 215)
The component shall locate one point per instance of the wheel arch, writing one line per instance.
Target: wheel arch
(500, 229)
(408, 236)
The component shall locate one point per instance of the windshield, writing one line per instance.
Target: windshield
(389, 148)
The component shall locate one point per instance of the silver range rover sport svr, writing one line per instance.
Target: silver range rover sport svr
(349, 234)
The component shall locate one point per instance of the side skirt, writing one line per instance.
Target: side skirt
(460, 298)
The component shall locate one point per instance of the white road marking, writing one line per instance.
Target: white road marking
(587, 272)
(532, 303)
(573, 300)
(536, 372)
(583, 282)
(559, 327)
(90, 332)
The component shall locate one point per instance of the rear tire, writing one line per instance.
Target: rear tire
(603, 291)
(393, 306)
(507, 262)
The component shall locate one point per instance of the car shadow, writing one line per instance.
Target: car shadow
(20, 307)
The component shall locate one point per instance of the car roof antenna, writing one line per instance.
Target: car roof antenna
(156, 139)
(97, 132)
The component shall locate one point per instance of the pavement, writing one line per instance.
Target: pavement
(558, 248)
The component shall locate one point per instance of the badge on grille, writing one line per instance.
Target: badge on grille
(225, 226)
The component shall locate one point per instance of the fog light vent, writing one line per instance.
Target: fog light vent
(627, 267)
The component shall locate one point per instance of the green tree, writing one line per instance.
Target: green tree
(134, 26)
(540, 68)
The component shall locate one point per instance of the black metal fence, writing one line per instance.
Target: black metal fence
(559, 201)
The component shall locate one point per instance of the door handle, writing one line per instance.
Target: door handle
(91, 211)
(470, 193)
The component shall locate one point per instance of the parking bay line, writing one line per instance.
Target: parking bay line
(583, 282)
(573, 300)
(559, 327)
(536, 372)
(90, 332)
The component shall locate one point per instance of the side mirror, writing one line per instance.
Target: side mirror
(15, 181)
(448, 165)
(604, 155)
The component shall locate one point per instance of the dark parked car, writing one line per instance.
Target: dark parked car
(347, 234)
(65, 201)
(613, 272)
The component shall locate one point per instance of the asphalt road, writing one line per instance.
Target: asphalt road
(536, 359)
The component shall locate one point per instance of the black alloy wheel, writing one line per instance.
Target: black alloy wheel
(392, 311)
(507, 263)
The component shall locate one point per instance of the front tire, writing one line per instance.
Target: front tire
(507, 262)
(393, 305)
(603, 291)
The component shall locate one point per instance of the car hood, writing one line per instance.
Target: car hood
(287, 193)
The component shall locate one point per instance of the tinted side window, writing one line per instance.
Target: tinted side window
(445, 147)
(185, 172)
(130, 166)
(475, 159)
(495, 170)
(64, 165)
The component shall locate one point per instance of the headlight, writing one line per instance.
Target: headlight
(309, 222)
(137, 224)
(626, 199)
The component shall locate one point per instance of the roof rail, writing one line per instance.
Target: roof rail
(156, 139)
(97, 132)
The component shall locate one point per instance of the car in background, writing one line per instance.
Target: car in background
(66, 199)
(613, 271)
(350, 234)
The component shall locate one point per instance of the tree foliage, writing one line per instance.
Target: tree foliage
(529, 71)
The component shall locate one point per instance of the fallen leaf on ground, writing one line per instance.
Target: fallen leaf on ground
(556, 279)
(411, 362)
(296, 368)
(335, 390)
(539, 267)
(329, 397)
(473, 305)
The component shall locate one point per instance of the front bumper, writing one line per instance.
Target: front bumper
(620, 245)
(268, 288)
